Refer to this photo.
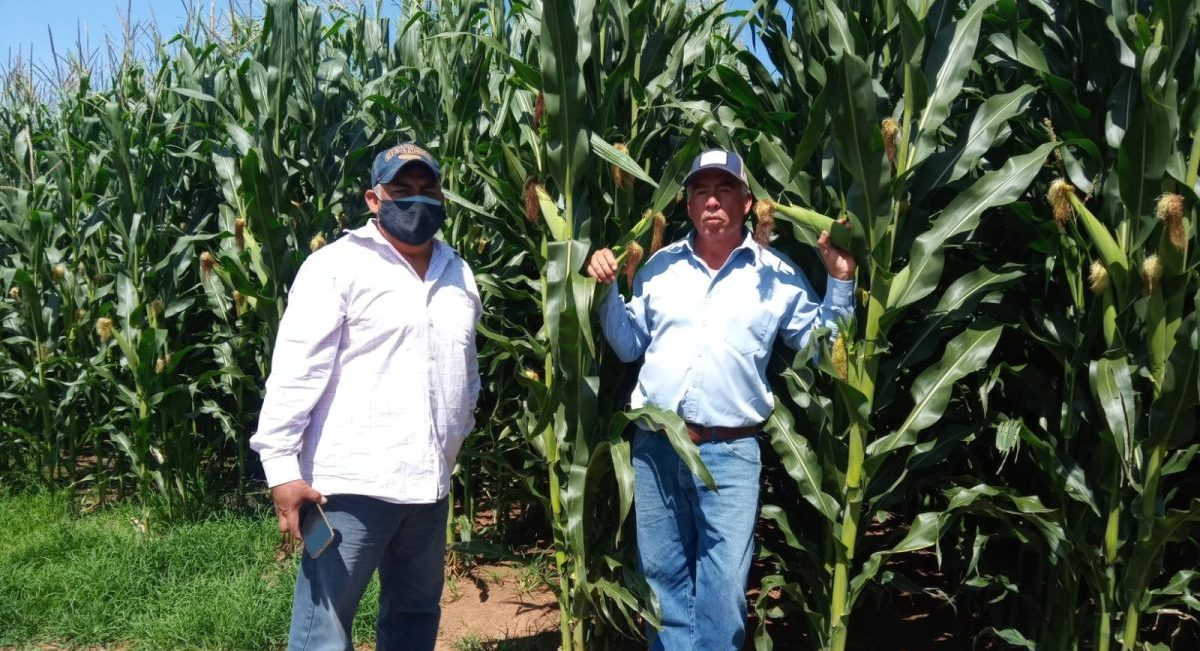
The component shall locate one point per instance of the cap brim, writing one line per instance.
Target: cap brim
(437, 175)
(692, 175)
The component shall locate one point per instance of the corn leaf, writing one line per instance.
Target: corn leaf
(920, 277)
(931, 391)
(654, 419)
(800, 461)
(950, 59)
(989, 120)
(857, 140)
(1112, 384)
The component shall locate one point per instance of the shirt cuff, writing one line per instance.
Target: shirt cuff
(841, 292)
(281, 470)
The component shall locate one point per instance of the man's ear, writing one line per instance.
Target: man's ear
(373, 200)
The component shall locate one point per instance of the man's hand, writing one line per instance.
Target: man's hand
(838, 262)
(289, 498)
(603, 266)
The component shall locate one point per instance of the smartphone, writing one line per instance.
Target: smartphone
(317, 533)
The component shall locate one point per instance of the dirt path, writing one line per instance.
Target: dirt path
(494, 602)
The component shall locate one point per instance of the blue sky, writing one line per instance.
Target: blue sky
(25, 22)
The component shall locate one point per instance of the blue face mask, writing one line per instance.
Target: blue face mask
(412, 220)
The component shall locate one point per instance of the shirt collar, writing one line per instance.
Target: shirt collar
(370, 231)
(747, 244)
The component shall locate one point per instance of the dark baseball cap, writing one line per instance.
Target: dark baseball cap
(718, 159)
(390, 161)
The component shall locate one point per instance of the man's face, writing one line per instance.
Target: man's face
(716, 204)
(410, 181)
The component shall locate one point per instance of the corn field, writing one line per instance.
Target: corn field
(1015, 401)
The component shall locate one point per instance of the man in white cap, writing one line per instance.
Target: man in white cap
(704, 314)
(372, 390)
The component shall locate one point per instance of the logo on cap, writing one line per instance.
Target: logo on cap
(390, 161)
(718, 159)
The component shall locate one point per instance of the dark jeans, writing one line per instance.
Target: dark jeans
(406, 542)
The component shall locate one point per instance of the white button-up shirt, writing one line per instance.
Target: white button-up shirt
(374, 376)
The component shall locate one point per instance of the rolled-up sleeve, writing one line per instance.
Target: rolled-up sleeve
(301, 366)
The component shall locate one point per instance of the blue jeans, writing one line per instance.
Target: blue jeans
(406, 542)
(694, 544)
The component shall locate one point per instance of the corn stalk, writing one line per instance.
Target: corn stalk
(874, 438)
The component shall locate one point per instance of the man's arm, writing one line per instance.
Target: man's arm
(807, 314)
(301, 365)
(839, 296)
(624, 324)
(474, 381)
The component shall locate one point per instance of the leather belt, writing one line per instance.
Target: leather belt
(701, 434)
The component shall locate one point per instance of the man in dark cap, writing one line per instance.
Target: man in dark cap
(704, 314)
(372, 390)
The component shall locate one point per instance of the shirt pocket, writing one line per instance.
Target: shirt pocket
(747, 329)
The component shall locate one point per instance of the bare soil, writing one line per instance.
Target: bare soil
(492, 603)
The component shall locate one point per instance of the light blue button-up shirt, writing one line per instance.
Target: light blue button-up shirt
(707, 334)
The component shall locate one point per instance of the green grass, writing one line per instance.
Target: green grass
(100, 580)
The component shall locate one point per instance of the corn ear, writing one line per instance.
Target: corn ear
(104, 329)
(891, 135)
(840, 235)
(839, 358)
(1098, 277)
(633, 257)
(1059, 196)
(1169, 211)
(1152, 271)
(1110, 252)
(764, 223)
(658, 232)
